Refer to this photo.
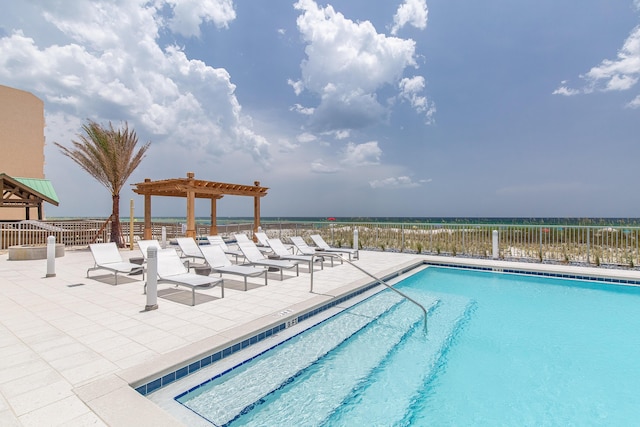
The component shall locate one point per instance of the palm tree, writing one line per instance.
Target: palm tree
(107, 154)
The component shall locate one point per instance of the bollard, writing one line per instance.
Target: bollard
(496, 250)
(355, 238)
(51, 256)
(163, 243)
(152, 279)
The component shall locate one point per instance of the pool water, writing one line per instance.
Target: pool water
(500, 350)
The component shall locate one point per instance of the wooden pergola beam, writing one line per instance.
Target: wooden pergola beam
(191, 189)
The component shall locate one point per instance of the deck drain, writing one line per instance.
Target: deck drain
(75, 284)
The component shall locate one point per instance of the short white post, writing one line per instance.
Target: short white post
(131, 225)
(152, 279)
(355, 238)
(163, 243)
(496, 250)
(51, 256)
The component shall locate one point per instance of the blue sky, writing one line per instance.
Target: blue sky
(347, 108)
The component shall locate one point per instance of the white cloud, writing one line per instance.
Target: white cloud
(189, 14)
(298, 86)
(347, 63)
(307, 111)
(410, 88)
(413, 12)
(341, 134)
(564, 90)
(364, 154)
(635, 102)
(338, 134)
(620, 74)
(306, 138)
(318, 166)
(110, 67)
(397, 182)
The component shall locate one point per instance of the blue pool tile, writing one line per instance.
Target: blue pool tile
(154, 385)
(194, 366)
(216, 356)
(226, 352)
(142, 389)
(206, 361)
(182, 372)
(169, 378)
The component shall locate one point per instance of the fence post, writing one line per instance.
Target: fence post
(51, 256)
(355, 238)
(164, 237)
(496, 248)
(588, 244)
(402, 235)
(152, 279)
(131, 225)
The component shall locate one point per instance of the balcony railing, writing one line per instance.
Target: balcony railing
(616, 246)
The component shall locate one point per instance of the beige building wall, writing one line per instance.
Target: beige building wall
(21, 140)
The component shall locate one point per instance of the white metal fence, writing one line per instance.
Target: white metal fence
(594, 245)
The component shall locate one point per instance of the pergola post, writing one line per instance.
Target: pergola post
(191, 207)
(256, 210)
(148, 232)
(213, 231)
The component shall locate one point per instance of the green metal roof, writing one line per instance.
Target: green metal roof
(42, 186)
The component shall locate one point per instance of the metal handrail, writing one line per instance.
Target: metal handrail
(380, 281)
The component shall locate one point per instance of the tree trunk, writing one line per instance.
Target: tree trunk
(115, 221)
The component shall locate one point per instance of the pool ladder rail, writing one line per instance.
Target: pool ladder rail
(377, 279)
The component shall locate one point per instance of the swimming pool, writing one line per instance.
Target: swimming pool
(501, 350)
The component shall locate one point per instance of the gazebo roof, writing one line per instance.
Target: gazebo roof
(180, 187)
(26, 191)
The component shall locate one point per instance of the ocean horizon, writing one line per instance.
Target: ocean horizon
(585, 221)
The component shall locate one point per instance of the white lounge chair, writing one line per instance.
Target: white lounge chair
(172, 270)
(304, 249)
(218, 240)
(189, 248)
(283, 253)
(106, 256)
(255, 257)
(144, 246)
(216, 258)
(244, 238)
(264, 241)
(318, 240)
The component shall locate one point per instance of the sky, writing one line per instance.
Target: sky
(438, 108)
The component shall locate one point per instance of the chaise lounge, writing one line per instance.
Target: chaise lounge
(304, 249)
(172, 270)
(283, 253)
(318, 240)
(216, 258)
(106, 256)
(255, 257)
(218, 240)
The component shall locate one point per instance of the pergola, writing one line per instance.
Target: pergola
(191, 189)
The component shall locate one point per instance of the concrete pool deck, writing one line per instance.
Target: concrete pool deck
(71, 346)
